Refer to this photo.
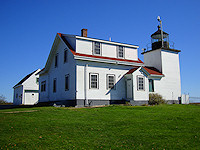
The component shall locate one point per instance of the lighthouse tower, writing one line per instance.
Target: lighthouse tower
(166, 60)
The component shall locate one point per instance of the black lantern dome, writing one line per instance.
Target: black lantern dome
(156, 39)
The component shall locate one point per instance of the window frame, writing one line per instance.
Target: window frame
(67, 76)
(138, 84)
(65, 56)
(90, 83)
(54, 85)
(56, 60)
(118, 48)
(43, 86)
(107, 82)
(94, 48)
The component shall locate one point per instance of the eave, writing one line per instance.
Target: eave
(152, 75)
(168, 49)
(79, 56)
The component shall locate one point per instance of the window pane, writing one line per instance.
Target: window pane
(94, 81)
(56, 60)
(65, 56)
(140, 83)
(54, 85)
(111, 81)
(97, 49)
(151, 85)
(67, 82)
(120, 51)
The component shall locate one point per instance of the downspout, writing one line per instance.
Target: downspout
(85, 83)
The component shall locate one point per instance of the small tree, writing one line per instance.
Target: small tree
(156, 99)
(2, 99)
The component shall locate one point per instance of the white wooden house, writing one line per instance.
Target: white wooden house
(88, 71)
(26, 92)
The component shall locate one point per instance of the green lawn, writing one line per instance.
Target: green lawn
(112, 127)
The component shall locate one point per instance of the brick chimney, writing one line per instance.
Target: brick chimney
(84, 32)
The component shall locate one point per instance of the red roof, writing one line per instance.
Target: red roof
(94, 56)
(132, 70)
(150, 70)
(153, 71)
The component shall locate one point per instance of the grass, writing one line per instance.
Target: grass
(112, 127)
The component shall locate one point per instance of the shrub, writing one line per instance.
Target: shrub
(156, 99)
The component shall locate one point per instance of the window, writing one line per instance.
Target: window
(97, 48)
(54, 85)
(140, 83)
(120, 52)
(56, 60)
(16, 95)
(43, 86)
(37, 80)
(110, 81)
(151, 85)
(65, 56)
(66, 82)
(94, 81)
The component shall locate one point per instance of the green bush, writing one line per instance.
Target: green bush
(156, 99)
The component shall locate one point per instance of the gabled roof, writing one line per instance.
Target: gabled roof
(150, 71)
(24, 79)
(132, 70)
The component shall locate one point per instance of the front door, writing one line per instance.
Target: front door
(129, 89)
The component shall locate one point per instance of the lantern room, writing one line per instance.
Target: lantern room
(159, 39)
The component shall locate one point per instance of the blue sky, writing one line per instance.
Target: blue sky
(28, 29)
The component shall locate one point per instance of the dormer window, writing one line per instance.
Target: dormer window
(97, 48)
(120, 51)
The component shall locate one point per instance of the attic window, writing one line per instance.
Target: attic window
(65, 55)
(97, 48)
(56, 60)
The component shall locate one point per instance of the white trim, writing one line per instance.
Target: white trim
(108, 42)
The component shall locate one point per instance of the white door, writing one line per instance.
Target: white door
(31, 98)
(129, 89)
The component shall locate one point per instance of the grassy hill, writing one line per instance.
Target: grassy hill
(112, 127)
